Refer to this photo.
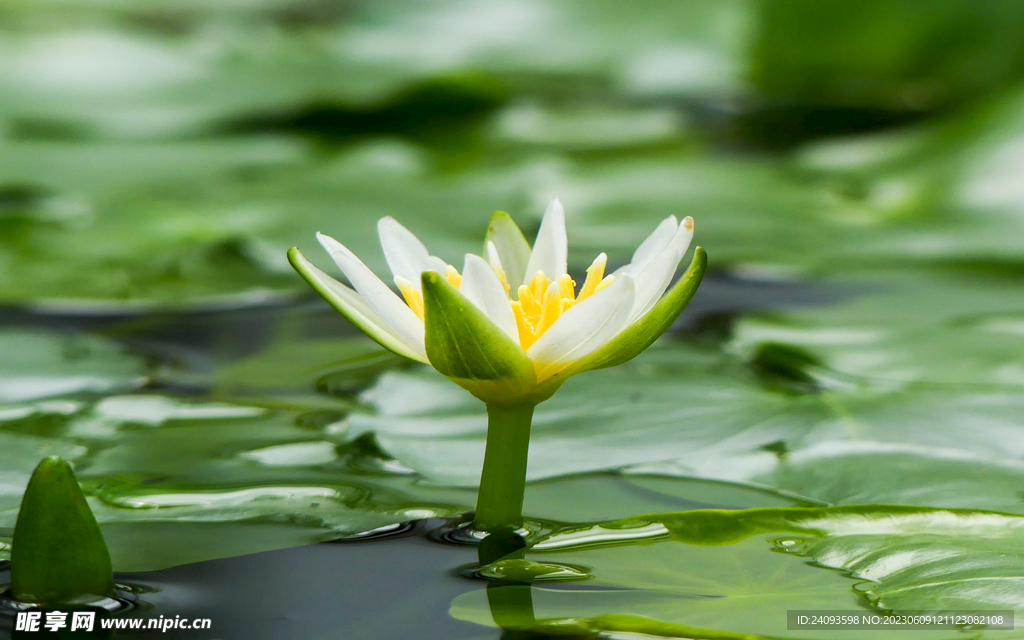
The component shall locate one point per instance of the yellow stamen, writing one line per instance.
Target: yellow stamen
(539, 285)
(595, 273)
(528, 300)
(451, 274)
(551, 309)
(541, 302)
(413, 297)
(604, 283)
(526, 337)
(566, 287)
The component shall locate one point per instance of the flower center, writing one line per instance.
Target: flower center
(540, 302)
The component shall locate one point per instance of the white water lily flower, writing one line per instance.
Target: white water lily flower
(512, 325)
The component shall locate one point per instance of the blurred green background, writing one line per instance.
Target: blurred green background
(169, 152)
(855, 170)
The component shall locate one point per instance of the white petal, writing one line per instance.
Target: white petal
(353, 307)
(406, 255)
(653, 244)
(494, 259)
(550, 249)
(583, 328)
(683, 236)
(511, 247)
(653, 279)
(382, 300)
(653, 273)
(481, 286)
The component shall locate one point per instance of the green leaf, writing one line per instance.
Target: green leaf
(713, 414)
(464, 345)
(351, 305)
(174, 94)
(584, 497)
(57, 552)
(878, 57)
(588, 127)
(162, 466)
(161, 208)
(153, 545)
(91, 227)
(734, 574)
(513, 249)
(698, 407)
(169, 478)
(36, 364)
(295, 372)
(905, 329)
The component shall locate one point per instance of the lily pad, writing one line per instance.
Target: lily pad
(274, 61)
(272, 465)
(227, 231)
(224, 233)
(668, 48)
(151, 546)
(47, 379)
(438, 429)
(711, 416)
(587, 128)
(909, 57)
(943, 191)
(130, 83)
(915, 328)
(90, 221)
(37, 364)
(717, 574)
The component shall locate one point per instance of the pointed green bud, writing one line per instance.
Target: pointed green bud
(464, 345)
(58, 550)
(512, 248)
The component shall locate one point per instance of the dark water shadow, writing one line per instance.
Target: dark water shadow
(392, 587)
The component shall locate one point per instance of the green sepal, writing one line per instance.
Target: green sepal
(349, 304)
(464, 345)
(642, 333)
(58, 551)
(513, 249)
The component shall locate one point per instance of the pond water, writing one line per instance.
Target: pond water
(240, 462)
(405, 584)
(275, 526)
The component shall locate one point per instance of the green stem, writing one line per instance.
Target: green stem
(499, 503)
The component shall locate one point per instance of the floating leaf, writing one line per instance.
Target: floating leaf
(718, 574)
(709, 416)
(275, 469)
(900, 57)
(37, 364)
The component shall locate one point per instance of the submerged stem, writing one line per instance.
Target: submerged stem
(503, 481)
